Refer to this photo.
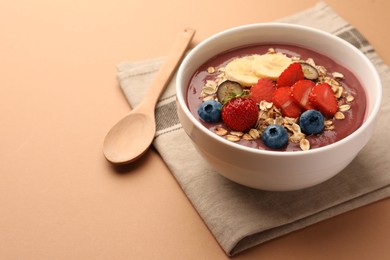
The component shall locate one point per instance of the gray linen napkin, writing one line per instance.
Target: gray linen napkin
(241, 217)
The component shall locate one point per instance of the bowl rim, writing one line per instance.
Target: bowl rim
(180, 93)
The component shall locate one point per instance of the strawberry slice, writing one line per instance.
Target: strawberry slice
(290, 75)
(300, 92)
(283, 100)
(323, 98)
(263, 90)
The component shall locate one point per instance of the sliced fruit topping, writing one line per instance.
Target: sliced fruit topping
(228, 90)
(240, 70)
(323, 98)
(311, 122)
(275, 136)
(270, 65)
(290, 75)
(309, 71)
(283, 100)
(210, 111)
(240, 114)
(264, 89)
(300, 92)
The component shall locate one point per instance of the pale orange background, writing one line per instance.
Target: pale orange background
(59, 197)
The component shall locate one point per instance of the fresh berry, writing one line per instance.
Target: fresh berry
(275, 136)
(311, 122)
(240, 114)
(210, 111)
(300, 92)
(290, 75)
(309, 71)
(283, 100)
(227, 90)
(263, 90)
(323, 98)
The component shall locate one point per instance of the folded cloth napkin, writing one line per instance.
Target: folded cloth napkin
(241, 217)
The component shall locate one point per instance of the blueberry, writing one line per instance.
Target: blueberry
(227, 90)
(210, 111)
(275, 136)
(311, 122)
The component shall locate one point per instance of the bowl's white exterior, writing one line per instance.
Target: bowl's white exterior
(272, 170)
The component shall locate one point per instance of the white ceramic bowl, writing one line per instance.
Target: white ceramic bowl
(276, 170)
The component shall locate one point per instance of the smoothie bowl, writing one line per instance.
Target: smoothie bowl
(277, 106)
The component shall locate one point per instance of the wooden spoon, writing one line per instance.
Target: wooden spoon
(131, 137)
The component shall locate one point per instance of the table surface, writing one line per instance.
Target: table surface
(59, 197)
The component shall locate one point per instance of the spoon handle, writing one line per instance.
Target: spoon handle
(166, 72)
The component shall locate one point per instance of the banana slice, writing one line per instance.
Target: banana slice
(270, 65)
(241, 71)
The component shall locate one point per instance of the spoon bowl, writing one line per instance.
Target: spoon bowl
(137, 131)
(131, 137)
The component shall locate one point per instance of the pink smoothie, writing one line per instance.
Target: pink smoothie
(353, 117)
